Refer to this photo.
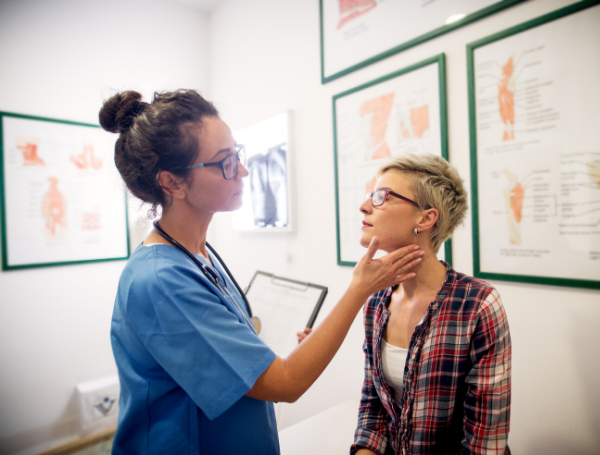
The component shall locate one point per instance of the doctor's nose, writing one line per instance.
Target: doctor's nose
(242, 171)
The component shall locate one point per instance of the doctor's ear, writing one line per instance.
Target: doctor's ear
(428, 219)
(171, 184)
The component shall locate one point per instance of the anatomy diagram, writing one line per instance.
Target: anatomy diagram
(54, 210)
(30, 154)
(513, 197)
(86, 160)
(351, 9)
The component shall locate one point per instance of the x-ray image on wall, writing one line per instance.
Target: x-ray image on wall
(268, 187)
(266, 191)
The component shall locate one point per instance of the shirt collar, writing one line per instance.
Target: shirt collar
(447, 285)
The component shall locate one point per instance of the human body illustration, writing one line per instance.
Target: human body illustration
(513, 198)
(30, 154)
(54, 210)
(86, 160)
(351, 9)
(380, 109)
(417, 124)
(506, 100)
(90, 221)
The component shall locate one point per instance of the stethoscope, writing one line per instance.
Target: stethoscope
(213, 277)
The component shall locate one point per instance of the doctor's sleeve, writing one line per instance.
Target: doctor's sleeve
(200, 343)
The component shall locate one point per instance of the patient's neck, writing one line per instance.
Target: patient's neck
(431, 273)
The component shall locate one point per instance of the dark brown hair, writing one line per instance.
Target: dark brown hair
(155, 137)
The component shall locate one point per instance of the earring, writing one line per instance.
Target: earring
(416, 231)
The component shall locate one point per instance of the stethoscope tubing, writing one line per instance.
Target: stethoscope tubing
(204, 268)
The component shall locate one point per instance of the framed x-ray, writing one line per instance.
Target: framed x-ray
(267, 194)
(63, 201)
(535, 150)
(402, 112)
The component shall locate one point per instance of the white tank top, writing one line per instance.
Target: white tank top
(393, 360)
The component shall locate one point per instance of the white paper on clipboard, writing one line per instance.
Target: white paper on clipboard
(284, 307)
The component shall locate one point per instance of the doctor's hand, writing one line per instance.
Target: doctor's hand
(372, 275)
(302, 335)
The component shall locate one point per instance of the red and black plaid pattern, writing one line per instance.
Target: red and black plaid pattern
(456, 397)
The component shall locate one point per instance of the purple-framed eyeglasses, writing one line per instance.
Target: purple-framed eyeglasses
(378, 197)
(228, 165)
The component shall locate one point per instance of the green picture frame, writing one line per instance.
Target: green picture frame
(61, 194)
(394, 48)
(438, 67)
(516, 200)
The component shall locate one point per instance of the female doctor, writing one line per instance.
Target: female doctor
(195, 378)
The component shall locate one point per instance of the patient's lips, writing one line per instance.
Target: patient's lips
(365, 224)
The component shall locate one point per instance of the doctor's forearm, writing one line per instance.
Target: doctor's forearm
(287, 379)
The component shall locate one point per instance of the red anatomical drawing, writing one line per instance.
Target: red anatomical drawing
(506, 100)
(351, 9)
(381, 108)
(86, 160)
(30, 155)
(90, 221)
(54, 209)
(419, 118)
(514, 194)
(516, 201)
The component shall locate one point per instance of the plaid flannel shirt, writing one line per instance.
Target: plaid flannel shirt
(456, 397)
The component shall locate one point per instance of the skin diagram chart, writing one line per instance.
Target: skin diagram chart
(403, 112)
(63, 200)
(356, 33)
(535, 150)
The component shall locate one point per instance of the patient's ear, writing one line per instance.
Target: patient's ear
(428, 219)
(171, 184)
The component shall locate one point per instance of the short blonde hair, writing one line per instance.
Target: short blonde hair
(435, 184)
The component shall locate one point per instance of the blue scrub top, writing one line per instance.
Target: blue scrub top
(186, 358)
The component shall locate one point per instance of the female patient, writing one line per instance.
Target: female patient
(437, 348)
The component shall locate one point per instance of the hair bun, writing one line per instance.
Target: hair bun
(118, 113)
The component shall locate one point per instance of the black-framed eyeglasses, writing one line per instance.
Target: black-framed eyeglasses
(228, 165)
(378, 197)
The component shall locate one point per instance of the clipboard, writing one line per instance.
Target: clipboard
(284, 307)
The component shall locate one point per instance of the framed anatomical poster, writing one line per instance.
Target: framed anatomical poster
(403, 112)
(535, 150)
(63, 201)
(357, 33)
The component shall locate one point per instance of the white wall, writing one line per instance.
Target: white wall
(61, 59)
(264, 58)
